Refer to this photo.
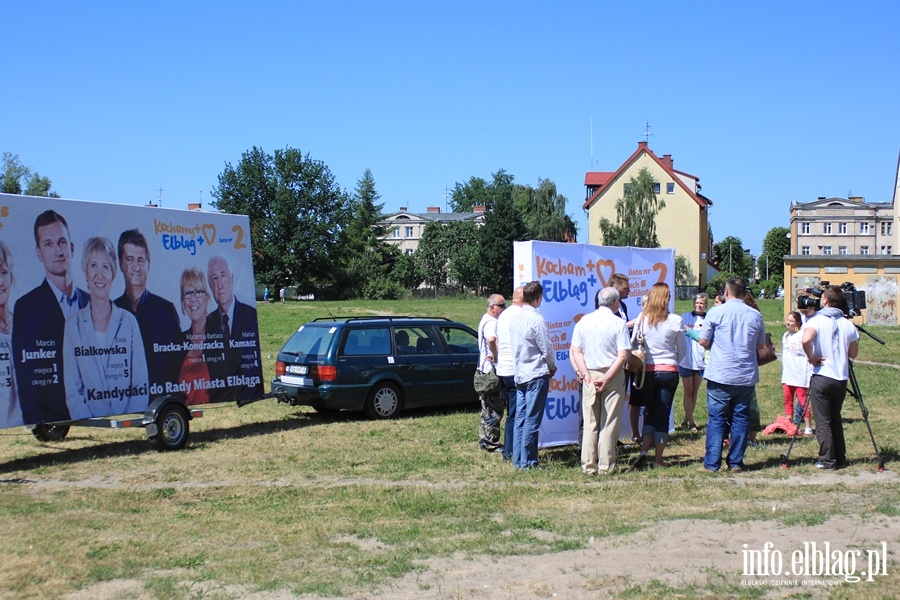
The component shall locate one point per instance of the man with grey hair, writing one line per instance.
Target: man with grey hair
(600, 347)
(492, 403)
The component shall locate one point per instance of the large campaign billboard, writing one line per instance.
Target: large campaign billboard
(571, 275)
(104, 307)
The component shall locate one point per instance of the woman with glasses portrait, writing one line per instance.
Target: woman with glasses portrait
(194, 374)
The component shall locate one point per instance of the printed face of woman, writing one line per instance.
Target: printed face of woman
(5, 283)
(194, 300)
(100, 274)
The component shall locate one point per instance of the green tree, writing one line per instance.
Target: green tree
(298, 215)
(439, 245)
(14, 173)
(776, 245)
(368, 259)
(635, 215)
(731, 258)
(502, 226)
(407, 272)
(478, 191)
(544, 213)
(683, 274)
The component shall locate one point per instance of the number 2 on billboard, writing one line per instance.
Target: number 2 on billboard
(239, 237)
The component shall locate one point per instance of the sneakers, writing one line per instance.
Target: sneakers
(807, 431)
(823, 466)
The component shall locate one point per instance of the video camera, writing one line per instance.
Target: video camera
(854, 300)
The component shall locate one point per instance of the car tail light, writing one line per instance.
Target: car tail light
(279, 369)
(325, 373)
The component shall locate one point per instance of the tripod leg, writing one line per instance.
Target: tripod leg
(856, 393)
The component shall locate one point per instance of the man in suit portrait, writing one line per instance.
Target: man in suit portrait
(39, 321)
(234, 323)
(156, 316)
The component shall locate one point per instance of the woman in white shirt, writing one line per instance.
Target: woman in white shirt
(691, 366)
(795, 372)
(666, 347)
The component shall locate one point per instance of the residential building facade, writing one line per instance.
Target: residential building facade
(404, 229)
(684, 222)
(842, 226)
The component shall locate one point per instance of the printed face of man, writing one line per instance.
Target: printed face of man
(135, 265)
(221, 282)
(54, 248)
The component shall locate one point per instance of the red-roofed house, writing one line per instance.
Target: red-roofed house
(684, 222)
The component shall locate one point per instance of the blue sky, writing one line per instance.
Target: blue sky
(767, 103)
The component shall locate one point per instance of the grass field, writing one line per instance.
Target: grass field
(274, 498)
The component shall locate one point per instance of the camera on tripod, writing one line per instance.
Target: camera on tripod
(854, 299)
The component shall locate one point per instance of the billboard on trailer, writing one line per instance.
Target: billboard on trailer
(104, 307)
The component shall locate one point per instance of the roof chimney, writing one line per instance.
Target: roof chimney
(193, 206)
(434, 209)
(667, 160)
(478, 208)
(402, 209)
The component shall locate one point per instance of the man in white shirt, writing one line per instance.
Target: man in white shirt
(506, 369)
(534, 365)
(492, 403)
(600, 346)
(830, 342)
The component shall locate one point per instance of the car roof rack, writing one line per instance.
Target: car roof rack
(381, 318)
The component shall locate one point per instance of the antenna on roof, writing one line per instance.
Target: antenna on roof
(597, 161)
(446, 199)
(647, 135)
(159, 197)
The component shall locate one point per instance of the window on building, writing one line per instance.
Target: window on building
(842, 228)
(804, 250)
(826, 228)
(409, 231)
(670, 187)
(826, 250)
(887, 228)
(864, 228)
(842, 249)
(656, 188)
(395, 232)
(864, 250)
(887, 250)
(627, 188)
(409, 251)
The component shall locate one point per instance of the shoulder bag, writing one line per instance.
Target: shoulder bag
(767, 354)
(635, 362)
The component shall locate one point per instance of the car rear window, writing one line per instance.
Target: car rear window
(310, 343)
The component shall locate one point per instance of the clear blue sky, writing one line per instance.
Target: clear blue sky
(766, 102)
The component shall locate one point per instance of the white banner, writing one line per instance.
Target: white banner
(572, 274)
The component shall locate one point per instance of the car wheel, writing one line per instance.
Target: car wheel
(384, 401)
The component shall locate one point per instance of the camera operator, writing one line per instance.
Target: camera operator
(830, 341)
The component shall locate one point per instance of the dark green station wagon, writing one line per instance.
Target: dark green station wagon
(380, 365)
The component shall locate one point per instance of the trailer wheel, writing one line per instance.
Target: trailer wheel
(50, 433)
(172, 428)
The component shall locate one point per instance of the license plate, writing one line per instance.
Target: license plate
(294, 380)
(297, 369)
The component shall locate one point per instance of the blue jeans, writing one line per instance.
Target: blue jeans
(508, 389)
(531, 398)
(721, 401)
(659, 392)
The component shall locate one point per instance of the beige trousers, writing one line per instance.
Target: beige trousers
(601, 414)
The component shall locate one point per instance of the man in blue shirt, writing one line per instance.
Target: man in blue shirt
(732, 332)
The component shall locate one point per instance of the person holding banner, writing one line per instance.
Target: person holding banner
(534, 365)
(106, 371)
(39, 323)
(600, 346)
(666, 346)
(10, 412)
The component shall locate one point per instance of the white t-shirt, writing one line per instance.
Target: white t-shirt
(795, 368)
(601, 335)
(695, 357)
(833, 338)
(486, 329)
(666, 342)
(505, 366)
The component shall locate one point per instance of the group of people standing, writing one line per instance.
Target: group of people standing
(67, 353)
(720, 346)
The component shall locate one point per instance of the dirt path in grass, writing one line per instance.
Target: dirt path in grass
(690, 558)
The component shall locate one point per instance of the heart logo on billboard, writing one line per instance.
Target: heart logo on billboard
(209, 233)
(605, 269)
